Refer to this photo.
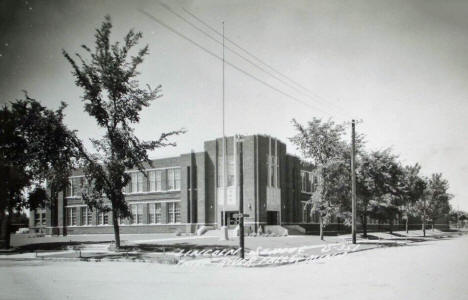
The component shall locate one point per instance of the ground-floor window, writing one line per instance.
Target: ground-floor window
(40, 218)
(137, 213)
(103, 218)
(154, 213)
(71, 216)
(173, 212)
(86, 216)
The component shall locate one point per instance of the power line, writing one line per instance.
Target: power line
(231, 64)
(308, 91)
(168, 8)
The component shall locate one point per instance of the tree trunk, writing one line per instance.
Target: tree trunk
(321, 228)
(424, 225)
(115, 221)
(364, 225)
(5, 232)
(406, 224)
(391, 226)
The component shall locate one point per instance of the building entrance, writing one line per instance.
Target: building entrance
(272, 218)
(230, 220)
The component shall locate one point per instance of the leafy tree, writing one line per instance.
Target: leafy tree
(323, 145)
(378, 186)
(114, 98)
(435, 200)
(35, 146)
(412, 190)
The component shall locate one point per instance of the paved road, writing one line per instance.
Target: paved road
(428, 270)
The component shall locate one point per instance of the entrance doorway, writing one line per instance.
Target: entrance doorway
(230, 220)
(272, 218)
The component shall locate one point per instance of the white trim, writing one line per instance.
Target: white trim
(76, 176)
(152, 192)
(130, 202)
(153, 169)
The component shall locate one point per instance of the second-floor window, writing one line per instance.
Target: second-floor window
(309, 182)
(76, 184)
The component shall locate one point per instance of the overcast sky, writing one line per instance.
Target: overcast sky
(400, 66)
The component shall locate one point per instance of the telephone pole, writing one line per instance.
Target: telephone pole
(224, 229)
(241, 197)
(353, 180)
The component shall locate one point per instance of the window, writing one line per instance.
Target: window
(141, 182)
(103, 218)
(273, 170)
(86, 216)
(152, 181)
(173, 212)
(40, 218)
(154, 213)
(76, 184)
(137, 213)
(155, 180)
(177, 179)
(138, 183)
(170, 179)
(308, 181)
(71, 216)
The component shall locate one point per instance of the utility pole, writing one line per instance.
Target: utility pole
(424, 217)
(224, 229)
(241, 198)
(353, 180)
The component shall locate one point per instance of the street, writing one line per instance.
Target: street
(434, 269)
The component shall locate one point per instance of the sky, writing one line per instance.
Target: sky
(400, 67)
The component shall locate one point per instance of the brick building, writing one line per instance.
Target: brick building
(188, 191)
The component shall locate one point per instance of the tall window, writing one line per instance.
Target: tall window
(173, 212)
(76, 184)
(155, 180)
(308, 182)
(137, 213)
(85, 216)
(103, 218)
(170, 179)
(273, 171)
(138, 182)
(71, 216)
(39, 218)
(154, 213)
(177, 179)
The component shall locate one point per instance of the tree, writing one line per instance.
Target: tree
(114, 98)
(435, 200)
(413, 189)
(322, 144)
(378, 186)
(35, 147)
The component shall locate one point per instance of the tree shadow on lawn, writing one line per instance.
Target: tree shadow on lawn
(179, 247)
(70, 245)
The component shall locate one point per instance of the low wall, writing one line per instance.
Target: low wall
(124, 229)
(336, 228)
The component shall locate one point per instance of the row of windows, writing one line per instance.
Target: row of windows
(154, 215)
(154, 181)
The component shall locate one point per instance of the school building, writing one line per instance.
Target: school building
(188, 191)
